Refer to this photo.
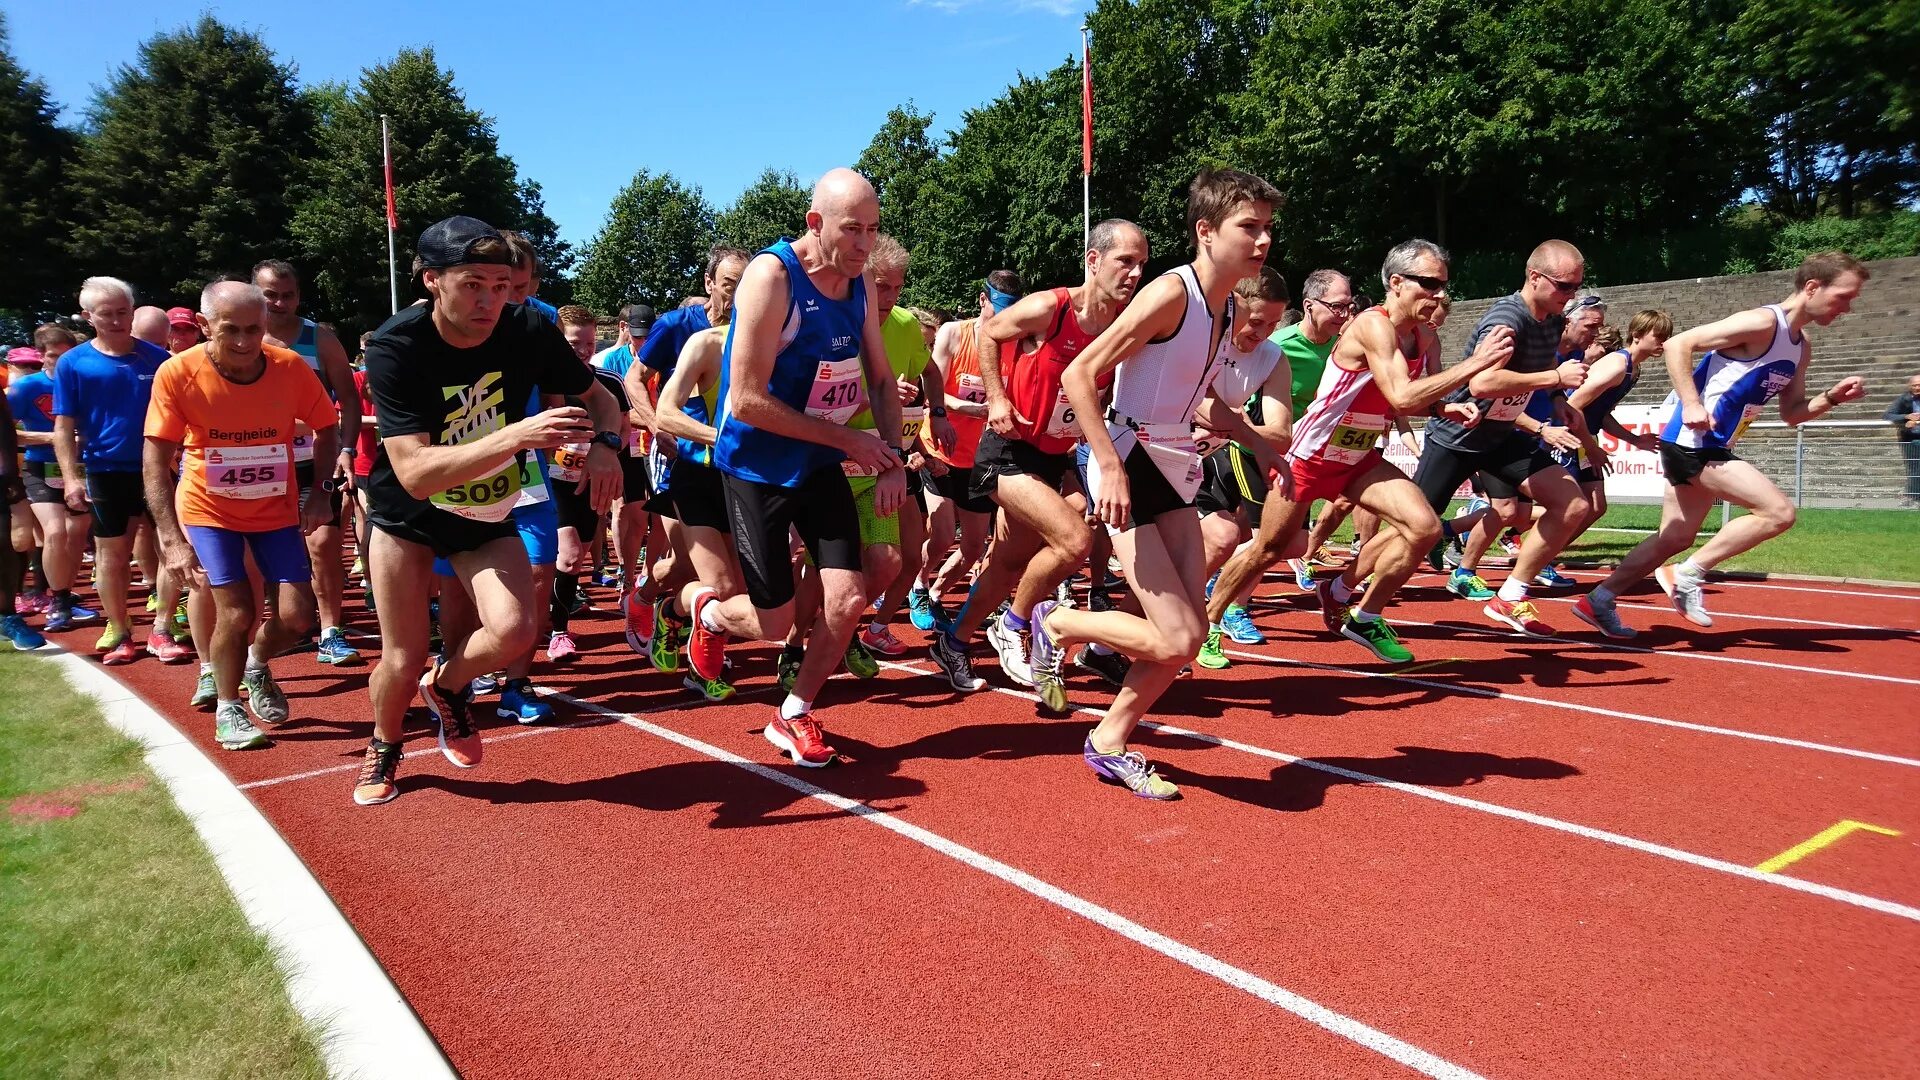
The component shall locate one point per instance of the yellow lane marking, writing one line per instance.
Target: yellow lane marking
(1824, 838)
(1428, 665)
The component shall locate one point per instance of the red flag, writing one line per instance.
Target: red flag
(1086, 105)
(386, 153)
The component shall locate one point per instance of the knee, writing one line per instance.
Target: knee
(1422, 535)
(1780, 517)
(1178, 644)
(1076, 546)
(515, 635)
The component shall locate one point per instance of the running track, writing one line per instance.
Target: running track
(1512, 858)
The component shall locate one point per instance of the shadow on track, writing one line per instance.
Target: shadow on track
(1299, 787)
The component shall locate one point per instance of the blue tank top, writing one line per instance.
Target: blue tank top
(1734, 390)
(1601, 407)
(817, 371)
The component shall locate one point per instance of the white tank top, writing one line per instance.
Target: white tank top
(1165, 381)
(1244, 373)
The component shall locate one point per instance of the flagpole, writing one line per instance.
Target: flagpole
(393, 271)
(1086, 135)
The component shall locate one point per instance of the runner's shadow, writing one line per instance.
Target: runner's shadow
(1823, 639)
(1299, 787)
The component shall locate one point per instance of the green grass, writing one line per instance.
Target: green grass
(1877, 544)
(124, 954)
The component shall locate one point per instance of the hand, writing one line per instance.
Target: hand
(76, 496)
(1695, 416)
(936, 467)
(1646, 440)
(1494, 350)
(604, 477)
(907, 388)
(868, 451)
(1279, 474)
(343, 471)
(890, 492)
(944, 436)
(1572, 374)
(315, 511)
(1000, 414)
(184, 566)
(1598, 458)
(916, 461)
(1571, 419)
(553, 428)
(1851, 388)
(1560, 438)
(1112, 498)
(1464, 413)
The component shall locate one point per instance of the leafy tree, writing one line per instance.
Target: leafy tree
(35, 152)
(652, 247)
(191, 154)
(772, 207)
(446, 161)
(900, 162)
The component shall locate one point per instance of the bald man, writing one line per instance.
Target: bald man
(803, 354)
(1512, 462)
(150, 325)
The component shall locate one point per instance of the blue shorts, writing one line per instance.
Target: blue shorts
(539, 525)
(280, 554)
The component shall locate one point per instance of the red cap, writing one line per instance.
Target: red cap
(180, 316)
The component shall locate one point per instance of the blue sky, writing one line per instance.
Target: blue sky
(584, 94)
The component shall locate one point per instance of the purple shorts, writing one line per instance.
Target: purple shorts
(280, 554)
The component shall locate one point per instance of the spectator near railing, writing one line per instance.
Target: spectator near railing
(1904, 415)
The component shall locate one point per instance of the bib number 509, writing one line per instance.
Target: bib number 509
(480, 492)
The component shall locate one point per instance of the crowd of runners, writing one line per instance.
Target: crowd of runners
(1095, 475)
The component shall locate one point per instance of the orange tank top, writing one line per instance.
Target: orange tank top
(964, 382)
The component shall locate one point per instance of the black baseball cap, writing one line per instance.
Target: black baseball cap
(450, 243)
(637, 315)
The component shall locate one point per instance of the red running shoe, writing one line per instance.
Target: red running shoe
(123, 652)
(167, 650)
(707, 649)
(802, 740)
(1521, 615)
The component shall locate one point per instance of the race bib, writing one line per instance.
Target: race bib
(974, 389)
(1207, 443)
(303, 447)
(247, 472)
(1172, 450)
(53, 478)
(487, 498)
(1062, 424)
(1509, 407)
(1354, 438)
(912, 418)
(569, 463)
(836, 394)
(637, 442)
(533, 490)
(1747, 416)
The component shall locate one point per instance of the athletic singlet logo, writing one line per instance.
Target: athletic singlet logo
(1775, 382)
(477, 409)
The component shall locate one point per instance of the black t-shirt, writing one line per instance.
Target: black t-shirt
(1536, 348)
(422, 385)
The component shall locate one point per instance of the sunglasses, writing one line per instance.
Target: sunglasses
(1591, 300)
(1562, 286)
(1431, 284)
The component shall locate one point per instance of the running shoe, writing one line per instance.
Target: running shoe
(787, 667)
(1520, 615)
(376, 783)
(880, 639)
(860, 662)
(579, 604)
(1436, 557)
(1211, 656)
(123, 651)
(153, 603)
(1210, 582)
(1063, 592)
(233, 731)
(520, 704)
(1602, 615)
(1468, 585)
(82, 614)
(1302, 575)
(484, 684)
(1046, 659)
(1238, 623)
(1332, 612)
(32, 603)
(707, 649)
(1689, 599)
(453, 718)
(1377, 635)
(560, 647)
(1130, 769)
(24, 638)
(180, 618)
(359, 570)
(1012, 649)
(111, 637)
(334, 648)
(1111, 666)
(802, 740)
(204, 692)
(1098, 600)
(1327, 559)
(1455, 554)
(638, 616)
(951, 657)
(711, 689)
(920, 609)
(1510, 545)
(1550, 577)
(167, 650)
(264, 696)
(663, 648)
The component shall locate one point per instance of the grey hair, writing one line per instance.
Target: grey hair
(231, 291)
(1318, 282)
(95, 289)
(1404, 254)
(1105, 234)
(1591, 301)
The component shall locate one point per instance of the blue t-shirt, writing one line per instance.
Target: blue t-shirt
(670, 334)
(107, 398)
(617, 360)
(31, 401)
(552, 313)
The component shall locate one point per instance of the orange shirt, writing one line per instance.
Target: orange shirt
(237, 470)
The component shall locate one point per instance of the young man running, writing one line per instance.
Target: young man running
(100, 394)
(805, 333)
(1163, 353)
(1028, 448)
(451, 381)
(332, 479)
(1610, 378)
(1373, 375)
(1752, 358)
(235, 405)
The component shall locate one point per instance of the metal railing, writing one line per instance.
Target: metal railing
(1800, 446)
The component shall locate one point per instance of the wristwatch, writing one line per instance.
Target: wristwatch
(937, 410)
(608, 439)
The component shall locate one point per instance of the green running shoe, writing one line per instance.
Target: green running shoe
(663, 652)
(711, 689)
(1377, 635)
(264, 696)
(233, 731)
(204, 693)
(1211, 655)
(860, 662)
(787, 668)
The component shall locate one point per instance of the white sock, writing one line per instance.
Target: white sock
(1690, 569)
(1341, 590)
(223, 704)
(325, 630)
(793, 708)
(206, 669)
(1363, 615)
(1513, 590)
(707, 617)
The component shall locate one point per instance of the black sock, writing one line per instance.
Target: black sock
(565, 588)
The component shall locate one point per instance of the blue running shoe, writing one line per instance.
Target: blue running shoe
(59, 619)
(335, 650)
(25, 638)
(1239, 626)
(920, 609)
(520, 704)
(1210, 581)
(1551, 578)
(1129, 769)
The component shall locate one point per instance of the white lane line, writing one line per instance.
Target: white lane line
(1314, 1013)
(1708, 862)
(365, 1027)
(1591, 710)
(1662, 606)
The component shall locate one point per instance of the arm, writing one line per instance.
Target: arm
(1217, 415)
(1795, 409)
(12, 488)
(156, 469)
(1028, 317)
(699, 363)
(1375, 340)
(1276, 406)
(938, 430)
(1154, 312)
(890, 491)
(66, 448)
(1407, 438)
(338, 375)
(604, 475)
(637, 378)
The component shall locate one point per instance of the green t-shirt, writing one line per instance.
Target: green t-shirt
(906, 351)
(1307, 361)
